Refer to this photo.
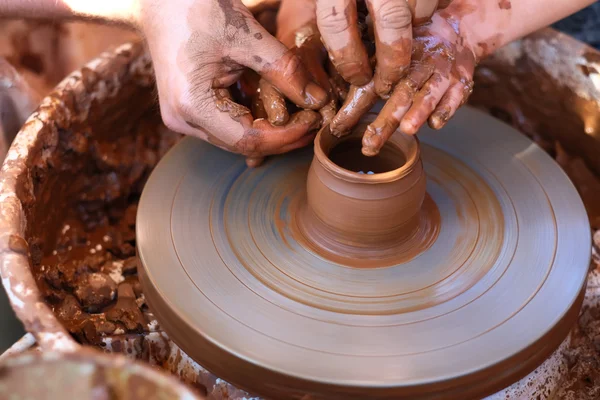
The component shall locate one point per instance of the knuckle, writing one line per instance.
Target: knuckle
(394, 15)
(331, 23)
(291, 66)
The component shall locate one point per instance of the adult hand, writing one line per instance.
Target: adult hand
(438, 82)
(393, 21)
(297, 30)
(199, 57)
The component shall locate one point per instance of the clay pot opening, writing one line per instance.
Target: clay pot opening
(343, 158)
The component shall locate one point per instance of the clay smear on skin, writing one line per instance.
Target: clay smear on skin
(393, 57)
(228, 72)
(350, 56)
(504, 4)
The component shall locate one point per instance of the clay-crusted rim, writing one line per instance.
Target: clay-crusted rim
(355, 177)
(99, 359)
(128, 64)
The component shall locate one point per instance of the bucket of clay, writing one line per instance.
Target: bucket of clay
(86, 374)
(71, 180)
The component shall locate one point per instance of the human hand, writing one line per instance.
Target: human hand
(297, 30)
(393, 20)
(207, 51)
(438, 82)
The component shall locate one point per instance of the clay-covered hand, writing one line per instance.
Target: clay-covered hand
(393, 21)
(199, 57)
(438, 81)
(297, 30)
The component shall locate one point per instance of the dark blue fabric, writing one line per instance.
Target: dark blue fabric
(584, 25)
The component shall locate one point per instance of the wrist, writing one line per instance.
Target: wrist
(482, 28)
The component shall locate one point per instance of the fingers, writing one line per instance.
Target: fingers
(305, 140)
(274, 103)
(456, 95)
(281, 67)
(388, 120)
(328, 112)
(231, 126)
(359, 101)
(424, 102)
(340, 86)
(338, 23)
(393, 42)
(253, 162)
(266, 139)
(311, 53)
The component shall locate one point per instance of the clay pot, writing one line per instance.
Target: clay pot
(364, 202)
(106, 98)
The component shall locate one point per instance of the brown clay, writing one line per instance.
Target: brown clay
(273, 103)
(358, 101)
(351, 58)
(362, 209)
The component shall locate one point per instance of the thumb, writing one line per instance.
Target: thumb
(280, 66)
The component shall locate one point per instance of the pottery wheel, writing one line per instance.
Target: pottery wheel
(235, 286)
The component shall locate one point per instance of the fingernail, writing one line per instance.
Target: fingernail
(333, 130)
(383, 88)
(408, 127)
(253, 162)
(317, 124)
(371, 142)
(439, 118)
(369, 151)
(315, 96)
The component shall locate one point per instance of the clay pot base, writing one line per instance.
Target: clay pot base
(226, 272)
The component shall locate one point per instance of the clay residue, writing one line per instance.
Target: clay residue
(234, 18)
(359, 100)
(86, 271)
(273, 103)
(351, 60)
(504, 4)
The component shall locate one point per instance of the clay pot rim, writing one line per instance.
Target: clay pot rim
(89, 355)
(412, 160)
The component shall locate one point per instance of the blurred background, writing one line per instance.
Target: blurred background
(44, 53)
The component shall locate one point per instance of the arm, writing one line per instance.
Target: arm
(491, 24)
(199, 49)
(114, 11)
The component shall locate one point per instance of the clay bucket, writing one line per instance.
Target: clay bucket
(116, 90)
(86, 374)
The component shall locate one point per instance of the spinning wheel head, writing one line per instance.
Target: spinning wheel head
(244, 270)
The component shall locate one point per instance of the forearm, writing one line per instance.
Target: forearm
(496, 23)
(112, 11)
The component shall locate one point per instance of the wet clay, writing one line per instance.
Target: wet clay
(83, 253)
(437, 82)
(350, 59)
(363, 208)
